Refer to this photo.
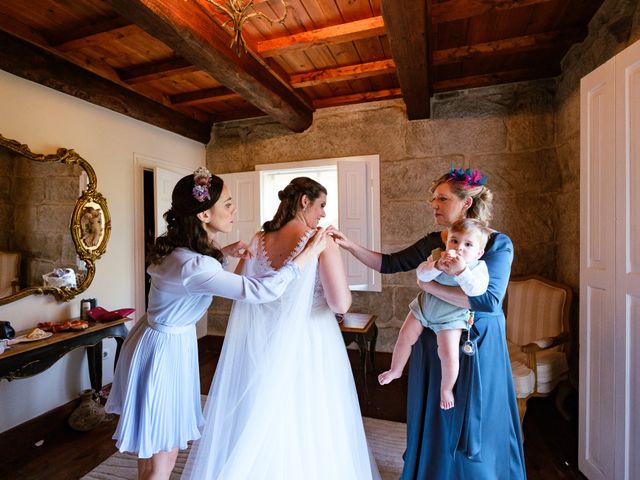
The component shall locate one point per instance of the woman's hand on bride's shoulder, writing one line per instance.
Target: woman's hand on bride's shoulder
(314, 247)
(238, 249)
(332, 244)
(340, 238)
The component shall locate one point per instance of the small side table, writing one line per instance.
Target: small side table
(30, 358)
(361, 328)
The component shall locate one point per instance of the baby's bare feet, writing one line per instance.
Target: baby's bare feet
(446, 399)
(388, 377)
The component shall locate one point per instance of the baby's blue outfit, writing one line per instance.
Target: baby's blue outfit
(437, 314)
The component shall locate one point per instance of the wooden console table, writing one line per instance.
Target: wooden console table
(361, 328)
(26, 359)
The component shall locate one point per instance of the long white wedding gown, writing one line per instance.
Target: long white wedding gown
(283, 404)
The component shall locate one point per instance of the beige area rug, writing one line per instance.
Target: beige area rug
(386, 439)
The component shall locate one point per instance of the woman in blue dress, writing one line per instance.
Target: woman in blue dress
(156, 386)
(480, 438)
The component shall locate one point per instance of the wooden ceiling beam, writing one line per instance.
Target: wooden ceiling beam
(521, 44)
(345, 32)
(97, 34)
(237, 115)
(90, 28)
(341, 74)
(357, 98)
(19, 30)
(408, 34)
(200, 97)
(188, 29)
(496, 78)
(461, 9)
(146, 72)
(30, 62)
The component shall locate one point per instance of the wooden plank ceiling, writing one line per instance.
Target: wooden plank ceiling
(169, 62)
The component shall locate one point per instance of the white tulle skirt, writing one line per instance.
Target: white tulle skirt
(283, 403)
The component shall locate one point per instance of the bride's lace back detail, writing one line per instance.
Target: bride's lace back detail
(265, 260)
(262, 264)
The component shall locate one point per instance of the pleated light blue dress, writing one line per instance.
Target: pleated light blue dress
(480, 438)
(156, 385)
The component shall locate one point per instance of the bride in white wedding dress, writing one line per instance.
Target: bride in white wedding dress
(283, 404)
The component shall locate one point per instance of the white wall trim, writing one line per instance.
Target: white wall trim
(140, 164)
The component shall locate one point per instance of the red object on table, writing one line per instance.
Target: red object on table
(99, 314)
(55, 326)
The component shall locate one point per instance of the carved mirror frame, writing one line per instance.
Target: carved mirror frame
(90, 199)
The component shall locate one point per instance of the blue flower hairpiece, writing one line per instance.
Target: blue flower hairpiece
(202, 180)
(472, 178)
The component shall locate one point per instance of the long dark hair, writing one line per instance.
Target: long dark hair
(184, 229)
(290, 201)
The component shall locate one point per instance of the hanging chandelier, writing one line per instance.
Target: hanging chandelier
(239, 11)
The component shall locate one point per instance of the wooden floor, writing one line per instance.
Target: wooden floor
(550, 441)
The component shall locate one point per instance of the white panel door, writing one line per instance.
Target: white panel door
(358, 206)
(163, 182)
(627, 76)
(245, 191)
(599, 365)
(353, 215)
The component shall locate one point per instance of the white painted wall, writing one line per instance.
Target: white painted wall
(46, 120)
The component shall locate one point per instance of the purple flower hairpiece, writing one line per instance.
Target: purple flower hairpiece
(202, 179)
(472, 178)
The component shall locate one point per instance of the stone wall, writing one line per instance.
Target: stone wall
(615, 26)
(506, 131)
(7, 171)
(41, 198)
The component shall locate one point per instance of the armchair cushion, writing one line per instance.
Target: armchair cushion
(524, 380)
(552, 367)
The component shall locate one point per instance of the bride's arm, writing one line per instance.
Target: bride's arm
(334, 278)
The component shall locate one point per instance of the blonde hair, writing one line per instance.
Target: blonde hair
(472, 225)
(481, 196)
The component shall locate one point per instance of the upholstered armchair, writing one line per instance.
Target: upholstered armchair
(9, 273)
(537, 313)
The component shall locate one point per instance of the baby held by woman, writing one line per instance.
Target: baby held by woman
(466, 240)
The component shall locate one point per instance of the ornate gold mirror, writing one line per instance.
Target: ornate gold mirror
(54, 223)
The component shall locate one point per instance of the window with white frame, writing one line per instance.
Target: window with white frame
(272, 180)
(353, 203)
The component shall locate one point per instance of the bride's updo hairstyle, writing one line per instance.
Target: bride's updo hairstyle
(468, 183)
(291, 201)
(191, 195)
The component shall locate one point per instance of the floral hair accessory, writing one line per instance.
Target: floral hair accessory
(202, 179)
(472, 178)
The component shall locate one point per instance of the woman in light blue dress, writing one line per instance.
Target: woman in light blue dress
(156, 386)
